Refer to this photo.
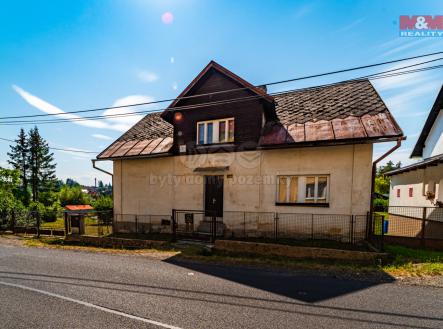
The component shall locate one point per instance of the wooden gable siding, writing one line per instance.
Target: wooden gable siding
(247, 114)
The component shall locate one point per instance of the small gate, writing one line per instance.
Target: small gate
(198, 224)
(376, 231)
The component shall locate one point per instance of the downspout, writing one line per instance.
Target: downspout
(104, 171)
(374, 173)
(100, 169)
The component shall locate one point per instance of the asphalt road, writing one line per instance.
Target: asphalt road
(49, 288)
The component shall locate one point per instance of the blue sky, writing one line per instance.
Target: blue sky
(74, 55)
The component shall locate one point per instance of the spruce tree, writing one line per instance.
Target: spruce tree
(41, 164)
(18, 159)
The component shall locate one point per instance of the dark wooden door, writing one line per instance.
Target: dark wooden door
(214, 196)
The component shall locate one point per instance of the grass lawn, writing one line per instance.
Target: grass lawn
(91, 227)
(58, 224)
(405, 262)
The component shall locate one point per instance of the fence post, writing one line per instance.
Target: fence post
(65, 220)
(244, 224)
(382, 242)
(351, 230)
(214, 228)
(174, 226)
(38, 224)
(136, 224)
(150, 224)
(312, 227)
(276, 225)
(423, 228)
(12, 224)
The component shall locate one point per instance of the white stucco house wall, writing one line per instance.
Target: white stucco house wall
(421, 184)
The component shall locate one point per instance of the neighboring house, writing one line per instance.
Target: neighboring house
(421, 184)
(237, 148)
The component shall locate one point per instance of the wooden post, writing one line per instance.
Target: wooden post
(65, 217)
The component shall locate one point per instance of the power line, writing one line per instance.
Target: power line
(54, 148)
(234, 89)
(375, 76)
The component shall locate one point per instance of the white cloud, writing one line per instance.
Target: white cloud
(351, 25)
(174, 86)
(147, 76)
(407, 80)
(403, 99)
(117, 123)
(401, 48)
(128, 121)
(172, 60)
(303, 10)
(100, 136)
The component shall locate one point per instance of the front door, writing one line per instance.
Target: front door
(214, 196)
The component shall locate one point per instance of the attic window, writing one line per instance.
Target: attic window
(215, 131)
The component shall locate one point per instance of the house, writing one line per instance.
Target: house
(226, 146)
(421, 184)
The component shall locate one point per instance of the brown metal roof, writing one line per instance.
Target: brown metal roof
(344, 112)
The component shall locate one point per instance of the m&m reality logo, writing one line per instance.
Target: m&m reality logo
(421, 26)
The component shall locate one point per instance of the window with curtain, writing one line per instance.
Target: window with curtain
(302, 189)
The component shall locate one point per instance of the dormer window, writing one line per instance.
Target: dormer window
(215, 131)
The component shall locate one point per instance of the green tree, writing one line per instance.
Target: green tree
(382, 184)
(388, 167)
(18, 159)
(103, 203)
(72, 196)
(70, 182)
(9, 187)
(41, 164)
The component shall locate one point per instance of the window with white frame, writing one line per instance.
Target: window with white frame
(303, 189)
(215, 131)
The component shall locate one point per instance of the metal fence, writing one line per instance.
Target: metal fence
(96, 223)
(413, 222)
(142, 224)
(350, 229)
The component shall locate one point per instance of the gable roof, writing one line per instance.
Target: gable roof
(214, 65)
(346, 112)
(436, 108)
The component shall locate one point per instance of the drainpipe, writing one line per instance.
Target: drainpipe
(374, 172)
(100, 169)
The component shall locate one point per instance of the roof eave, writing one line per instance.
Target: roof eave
(419, 146)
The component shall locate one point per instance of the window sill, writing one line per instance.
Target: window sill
(214, 144)
(303, 204)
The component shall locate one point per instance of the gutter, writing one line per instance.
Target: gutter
(374, 172)
(100, 169)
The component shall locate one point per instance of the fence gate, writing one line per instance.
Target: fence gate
(198, 224)
(376, 230)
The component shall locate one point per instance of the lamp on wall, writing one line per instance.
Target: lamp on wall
(178, 116)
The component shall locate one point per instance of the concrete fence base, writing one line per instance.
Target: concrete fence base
(297, 252)
(110, 242)
(436, 244)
